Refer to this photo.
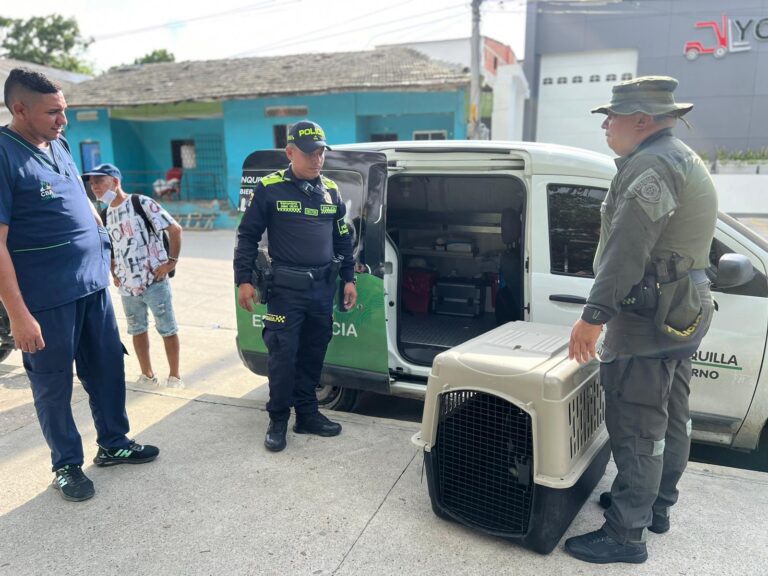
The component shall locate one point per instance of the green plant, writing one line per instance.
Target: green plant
(749, 155)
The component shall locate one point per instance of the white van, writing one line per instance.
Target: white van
(453, 238)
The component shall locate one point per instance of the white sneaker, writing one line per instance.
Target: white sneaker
(147, 381)
(174, 382)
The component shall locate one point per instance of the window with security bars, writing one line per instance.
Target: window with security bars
(484, 454)
(430, 134)
(183, 154)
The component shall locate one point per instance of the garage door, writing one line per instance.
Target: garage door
(570, 86)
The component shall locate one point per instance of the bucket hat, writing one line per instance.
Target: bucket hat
(652, 95)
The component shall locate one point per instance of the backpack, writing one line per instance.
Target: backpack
(139, 209)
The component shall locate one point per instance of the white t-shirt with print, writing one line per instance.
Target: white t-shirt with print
(137, 252)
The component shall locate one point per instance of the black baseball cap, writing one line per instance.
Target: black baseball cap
(104, 170)
(308, 136)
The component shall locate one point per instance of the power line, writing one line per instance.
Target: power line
(419, 25)
(175, 23)
(337, 33)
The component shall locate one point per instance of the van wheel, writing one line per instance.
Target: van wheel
(761, 454)
(4, 353)
(337, 398)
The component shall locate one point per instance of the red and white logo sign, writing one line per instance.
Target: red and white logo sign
(729, 35)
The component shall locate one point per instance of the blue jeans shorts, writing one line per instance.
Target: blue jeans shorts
(156, 298)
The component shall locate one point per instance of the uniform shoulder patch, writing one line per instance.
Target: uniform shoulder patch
(273, 178)
(328, 183)
(647, 186)
(652, 193)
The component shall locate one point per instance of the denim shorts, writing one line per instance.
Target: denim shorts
(158, 299)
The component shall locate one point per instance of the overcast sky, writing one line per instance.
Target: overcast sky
(123, 31)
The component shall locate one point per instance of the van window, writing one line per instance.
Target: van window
(574, 228)
(351, 190)
(353, 195)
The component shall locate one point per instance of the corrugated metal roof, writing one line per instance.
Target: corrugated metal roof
(383, 69)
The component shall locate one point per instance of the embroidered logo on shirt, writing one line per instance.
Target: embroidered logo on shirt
(647, 186)
(46, 191)
(327, 197)
(653, 194)
(328, 208)
(343, 228)
(289, 206)
(311, 211)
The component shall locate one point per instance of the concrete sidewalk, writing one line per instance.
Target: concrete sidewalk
(217, 503)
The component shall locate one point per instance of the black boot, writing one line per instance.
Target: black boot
(275, 438)
(599, 548)
(659, 523)
(316, 424)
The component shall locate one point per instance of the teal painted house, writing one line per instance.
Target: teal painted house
(202, 119)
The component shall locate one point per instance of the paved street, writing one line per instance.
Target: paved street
(757, 223)
(216, 502)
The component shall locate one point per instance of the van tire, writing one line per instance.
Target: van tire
(4, 353)
(337, 398)
(761, 454)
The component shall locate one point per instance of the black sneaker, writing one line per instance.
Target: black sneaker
(599, 548)
(72, 484)
(659, 524)
(132, 454)
(316, 424)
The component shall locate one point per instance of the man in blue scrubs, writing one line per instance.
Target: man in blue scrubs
(54, 274)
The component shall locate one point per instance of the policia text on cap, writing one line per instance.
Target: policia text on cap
(309, 245)
(652, 294)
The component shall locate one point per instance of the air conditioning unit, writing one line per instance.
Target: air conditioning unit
(513, 433)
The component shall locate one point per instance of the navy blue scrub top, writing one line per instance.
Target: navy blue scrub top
(58, 250)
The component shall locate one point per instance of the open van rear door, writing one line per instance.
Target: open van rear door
(357, 355)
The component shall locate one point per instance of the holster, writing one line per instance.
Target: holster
(678, 311)
(334, 267)
(263, 277)
(642, 296)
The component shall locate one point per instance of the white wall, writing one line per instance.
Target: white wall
(509, 97)
(742, 193)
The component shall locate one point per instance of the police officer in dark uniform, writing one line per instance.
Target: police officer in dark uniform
(309, 245)
(652, 293)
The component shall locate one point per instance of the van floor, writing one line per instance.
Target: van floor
(424, 336)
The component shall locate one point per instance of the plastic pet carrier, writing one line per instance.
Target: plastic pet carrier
(513, 433)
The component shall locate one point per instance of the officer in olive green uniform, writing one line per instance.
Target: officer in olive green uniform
(652, 294)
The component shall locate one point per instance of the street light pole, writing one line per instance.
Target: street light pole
(474, 86)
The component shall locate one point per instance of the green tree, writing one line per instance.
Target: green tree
(156, 56)
(47, 40)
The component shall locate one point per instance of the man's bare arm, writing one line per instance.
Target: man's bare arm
(25, 329)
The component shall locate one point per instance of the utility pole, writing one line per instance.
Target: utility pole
(473, 132)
